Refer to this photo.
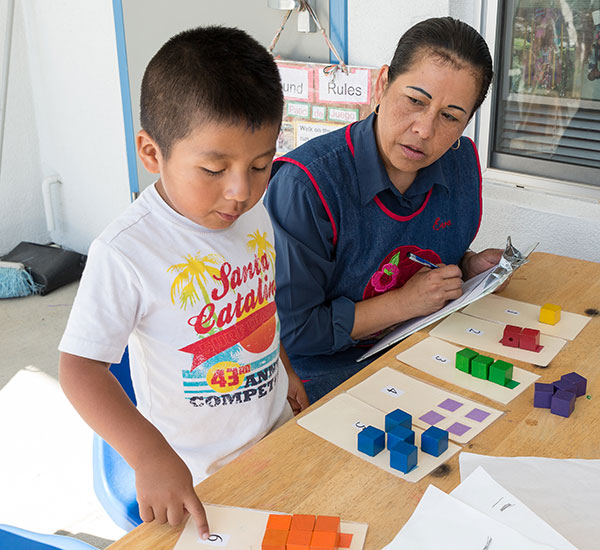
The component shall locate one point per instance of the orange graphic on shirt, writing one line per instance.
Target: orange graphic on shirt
(261, 338)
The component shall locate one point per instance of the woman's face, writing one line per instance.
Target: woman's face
(421, 114)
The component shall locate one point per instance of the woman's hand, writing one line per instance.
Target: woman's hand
(429, 290)
(473, 264)
(426, 291)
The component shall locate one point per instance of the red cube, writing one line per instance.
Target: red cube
(511, 336)
(530, 340)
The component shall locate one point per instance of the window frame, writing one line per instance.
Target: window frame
(492, 31)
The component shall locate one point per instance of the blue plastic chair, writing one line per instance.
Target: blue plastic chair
(114, 479)
(14, 538)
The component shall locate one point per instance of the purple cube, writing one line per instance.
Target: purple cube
(579, 381)
(563, 403)
(565, 385)
(542, 395)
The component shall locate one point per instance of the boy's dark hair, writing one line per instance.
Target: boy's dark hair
(208, 74)
(451, 40)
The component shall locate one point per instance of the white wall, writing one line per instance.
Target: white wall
(562, 225)
(146, 31)
(65, 108)
(21, 209)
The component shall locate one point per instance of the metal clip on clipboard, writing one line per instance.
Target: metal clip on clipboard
(509, 262)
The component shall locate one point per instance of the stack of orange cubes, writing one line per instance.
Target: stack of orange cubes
(304, 532)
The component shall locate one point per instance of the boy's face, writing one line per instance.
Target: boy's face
(215, 174)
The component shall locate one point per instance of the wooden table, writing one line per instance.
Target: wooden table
(293, 470)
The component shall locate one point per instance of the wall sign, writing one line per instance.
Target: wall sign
(317, 102)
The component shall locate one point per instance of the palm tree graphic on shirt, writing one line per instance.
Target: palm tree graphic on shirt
(193, 273)
(258, 242)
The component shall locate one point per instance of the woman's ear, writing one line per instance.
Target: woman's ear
(381, 83)
(148, 152)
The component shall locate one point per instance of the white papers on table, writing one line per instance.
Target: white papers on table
(485, 494)
(563, 492)
(442, 521)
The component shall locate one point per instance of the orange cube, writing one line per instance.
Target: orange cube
(345, 540)
(280, 522)
(299, 540)
(274, 539)
(327, 524)
(302, 522)
(324, 541)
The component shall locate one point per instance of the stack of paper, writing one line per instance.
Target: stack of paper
(479, 515)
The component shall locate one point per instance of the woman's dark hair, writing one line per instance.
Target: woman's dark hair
(208, 74)
(450, 40)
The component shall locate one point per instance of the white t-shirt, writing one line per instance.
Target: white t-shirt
(197, 308)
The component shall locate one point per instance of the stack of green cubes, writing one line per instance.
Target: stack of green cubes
(500, 372)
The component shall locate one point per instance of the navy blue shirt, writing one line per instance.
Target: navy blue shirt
(343, 231)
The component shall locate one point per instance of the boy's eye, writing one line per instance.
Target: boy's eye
(212, 172)
(260, 169)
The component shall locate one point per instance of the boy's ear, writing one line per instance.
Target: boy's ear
(381, 83)
(148, 152)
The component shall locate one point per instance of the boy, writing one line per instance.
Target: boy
(185, 277)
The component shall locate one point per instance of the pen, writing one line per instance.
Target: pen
(421, 261)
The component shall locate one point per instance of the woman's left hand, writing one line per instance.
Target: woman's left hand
(473, 264)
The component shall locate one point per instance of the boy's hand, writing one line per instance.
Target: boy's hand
(165, 492)
(297, 397)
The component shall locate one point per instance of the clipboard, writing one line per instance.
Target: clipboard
(477, 287)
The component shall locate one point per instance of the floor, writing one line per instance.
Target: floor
(45, 463)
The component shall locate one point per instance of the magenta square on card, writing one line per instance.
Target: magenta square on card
(478, 415)
(458, 429)
(431, 417)
(450, 405)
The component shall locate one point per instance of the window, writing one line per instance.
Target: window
(547, 119)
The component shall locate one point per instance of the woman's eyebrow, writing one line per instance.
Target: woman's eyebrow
(457, 107)
(430, 97)
(420, 90)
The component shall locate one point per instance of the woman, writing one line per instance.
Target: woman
(348, 207)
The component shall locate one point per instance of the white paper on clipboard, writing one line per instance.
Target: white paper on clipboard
(477, 287)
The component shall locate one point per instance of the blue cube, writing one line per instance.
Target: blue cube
(403, 456)
(563, 403)
(371, 440)
(400, 433)
(542, 395)
(397, 417)
(577, 380)
(565, 385)
(434, 441)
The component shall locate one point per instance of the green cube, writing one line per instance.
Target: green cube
(464, 358)
(501, 372)
(480, 366)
